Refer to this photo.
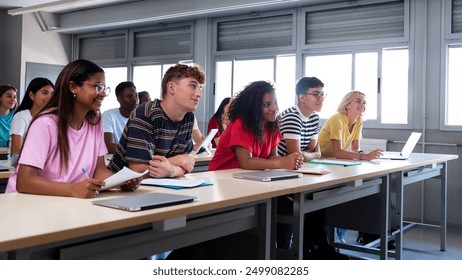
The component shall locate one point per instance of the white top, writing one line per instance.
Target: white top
(114, 122)
(20, 123)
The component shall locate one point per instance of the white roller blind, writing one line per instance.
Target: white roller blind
(166, 41)
(255, 33)
(375, 21)
(103, 47)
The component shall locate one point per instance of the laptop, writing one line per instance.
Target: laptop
(407, 149)
(207, 140)
(145, 201)
(267, 176)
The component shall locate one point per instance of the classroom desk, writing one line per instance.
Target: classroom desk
(202, 160)
(80, 230)
(378, 177)
(71, 228)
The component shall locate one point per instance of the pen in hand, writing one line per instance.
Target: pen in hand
(84, 171)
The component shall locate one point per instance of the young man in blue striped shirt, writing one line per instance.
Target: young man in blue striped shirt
(158, 133)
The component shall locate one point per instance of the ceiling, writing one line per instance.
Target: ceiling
(73, 16)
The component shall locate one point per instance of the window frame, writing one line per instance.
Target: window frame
(450, 39)
(379, 49)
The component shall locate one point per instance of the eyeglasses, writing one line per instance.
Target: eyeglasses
(318, 95)
(100, 88)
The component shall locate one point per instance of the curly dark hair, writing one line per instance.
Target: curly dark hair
(248, 104)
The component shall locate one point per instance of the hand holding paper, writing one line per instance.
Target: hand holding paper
(121, 177)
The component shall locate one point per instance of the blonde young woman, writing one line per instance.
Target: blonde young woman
(341, 134)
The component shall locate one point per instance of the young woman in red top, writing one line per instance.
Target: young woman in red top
(252, 135)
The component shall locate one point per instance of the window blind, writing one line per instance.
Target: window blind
(166, 41)
(103, 47)
(456, 16)
(374, 21)
(255, 33)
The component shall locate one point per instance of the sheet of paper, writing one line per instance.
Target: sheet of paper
(120, 177)
(173, 182)
(311, 170)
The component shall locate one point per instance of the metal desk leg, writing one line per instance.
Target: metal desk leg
(298, 225)
(385, 200)
(266, 232)
(444, 201)
(399, 206)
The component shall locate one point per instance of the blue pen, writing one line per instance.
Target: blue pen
(85, 172)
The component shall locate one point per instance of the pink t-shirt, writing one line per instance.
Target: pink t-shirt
(40, 151)
(236, 135)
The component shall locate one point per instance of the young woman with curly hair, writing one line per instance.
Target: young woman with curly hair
(252, 135)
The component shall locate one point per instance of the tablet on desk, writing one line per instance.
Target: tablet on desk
(145, 201)
(207, 140)
(267, 176)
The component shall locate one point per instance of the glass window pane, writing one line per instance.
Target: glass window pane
(395, 86)
(335, 72)
(148, 78)
(454, 84)
(285, 81)
(247, 71)
(366, 81)
(114, 76)
(223, 77)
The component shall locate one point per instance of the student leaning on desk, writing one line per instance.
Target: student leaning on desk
(66, 137)
(158, 133)
(342, 131)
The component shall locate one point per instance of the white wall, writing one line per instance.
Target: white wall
(40, 47)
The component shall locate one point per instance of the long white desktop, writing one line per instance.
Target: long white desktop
(42, 227)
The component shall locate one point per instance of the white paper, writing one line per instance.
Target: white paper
(172, 182)
(120, 177)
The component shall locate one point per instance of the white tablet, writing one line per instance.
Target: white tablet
(208, 139)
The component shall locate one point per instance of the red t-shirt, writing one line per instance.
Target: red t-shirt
(236, 135)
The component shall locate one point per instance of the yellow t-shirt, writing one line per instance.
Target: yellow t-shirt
(336, 128)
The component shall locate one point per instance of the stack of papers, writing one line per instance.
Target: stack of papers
(174, 183)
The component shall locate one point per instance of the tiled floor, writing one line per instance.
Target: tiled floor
(422, 243)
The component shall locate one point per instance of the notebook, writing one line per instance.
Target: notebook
(207, 140)
(267, 176)
(145, 201)
(407, 149)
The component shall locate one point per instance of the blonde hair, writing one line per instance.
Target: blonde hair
(347, 99)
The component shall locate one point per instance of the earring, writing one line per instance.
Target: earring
(75, 95)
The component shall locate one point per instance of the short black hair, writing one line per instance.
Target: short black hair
(123, 85)
(306, 83)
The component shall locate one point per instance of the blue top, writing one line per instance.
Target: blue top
(5, 123)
